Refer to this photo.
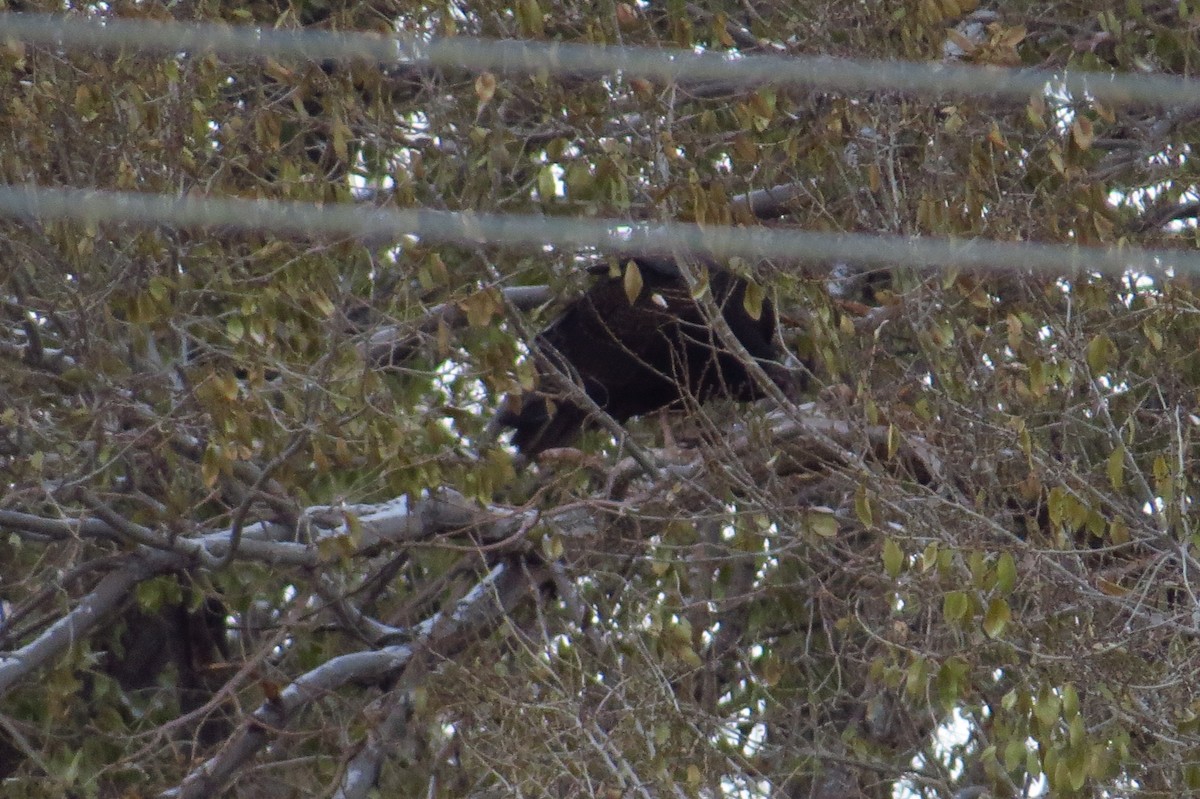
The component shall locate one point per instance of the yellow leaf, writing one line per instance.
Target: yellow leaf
(1035, 119)
(480, 307)
(322, 303)
(752, 301)
(771, 670)
(997, 138)
(893, 441)
(227, 386)
(642, 87)
(485, 87)
(1056, 161)
(633, 282)
(552, 547)
(320, 460)
(627, 16)
(744, 149)
(210, 466)
(1082, 133)
(963, 43)
(341, 137)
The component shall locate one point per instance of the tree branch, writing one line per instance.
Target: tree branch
(443, 633)
(103, 601)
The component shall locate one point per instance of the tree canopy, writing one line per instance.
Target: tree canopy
(258, 538)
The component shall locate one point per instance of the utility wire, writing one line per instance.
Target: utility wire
(513, 56)
(529, 230)
(608, 235)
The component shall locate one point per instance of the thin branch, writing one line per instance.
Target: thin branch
(392, 345)
(131, 532)
(363, 770)
(239, 517)
(444, 633)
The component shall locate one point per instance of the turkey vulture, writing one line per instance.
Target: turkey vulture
(633, 358)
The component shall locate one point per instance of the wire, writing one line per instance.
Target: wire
(609, 235)
(845, 75)
(476, 229)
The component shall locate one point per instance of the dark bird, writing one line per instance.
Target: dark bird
(632, 358)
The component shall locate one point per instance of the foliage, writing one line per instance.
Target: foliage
(243, 552)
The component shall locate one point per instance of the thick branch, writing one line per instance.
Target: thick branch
(104, 600)
(444, 633)
(767, 203)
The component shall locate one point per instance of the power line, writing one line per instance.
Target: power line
(528, 56)
(834, 74)
(527, 230)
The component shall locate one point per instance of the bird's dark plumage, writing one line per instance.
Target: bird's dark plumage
(634, 358)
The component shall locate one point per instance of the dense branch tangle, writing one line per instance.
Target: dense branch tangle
(222, 363)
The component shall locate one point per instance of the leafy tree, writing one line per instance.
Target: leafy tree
(256, 539)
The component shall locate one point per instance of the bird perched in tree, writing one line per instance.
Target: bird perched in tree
(637, 343)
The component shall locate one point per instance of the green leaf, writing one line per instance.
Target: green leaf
(1046, 708)
(1070, 701)
(1153, 334)
(929, 558)
(955, 605)
(978, 566)
(1037, 378)
(951, 681)
(1100, 353)
(70, 774)
(916, 677)
(1077, 761)
(893, 558)
(824, 525)
(997, 618)
(1056, 505)
(1014, 753)
(529, 12)
(862, 507)
(579, 181)
(1116, 467)
(1006, 573)
(547, 184)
